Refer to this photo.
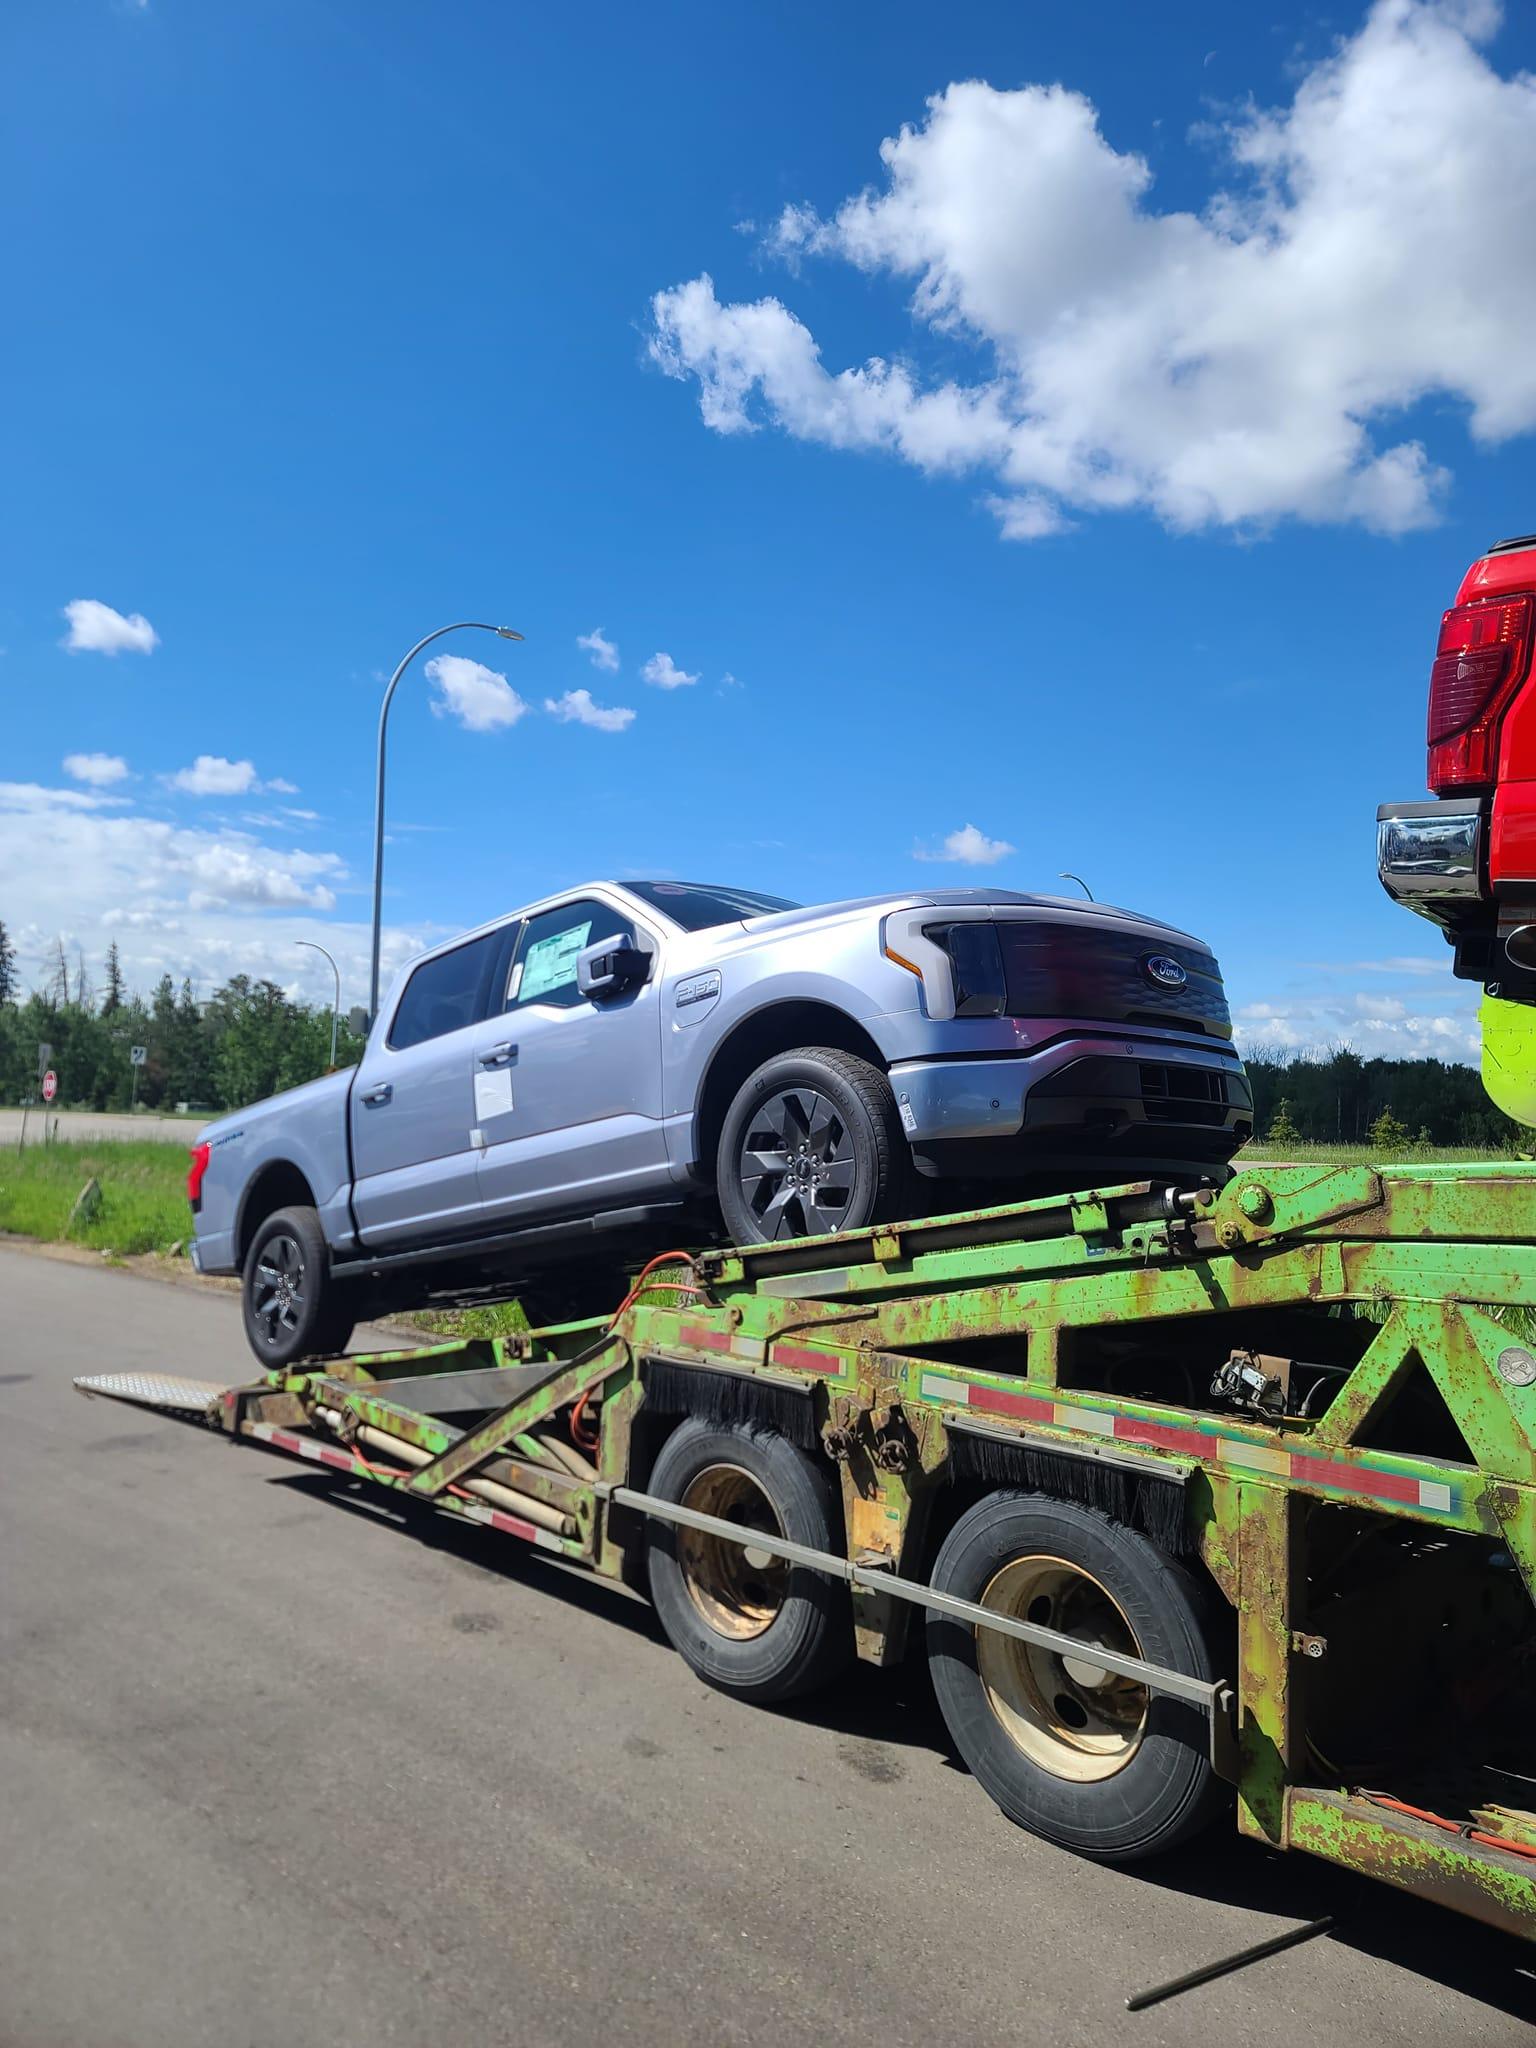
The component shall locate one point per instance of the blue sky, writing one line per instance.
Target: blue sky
(1203, 369)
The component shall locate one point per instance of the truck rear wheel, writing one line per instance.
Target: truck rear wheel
(748, 1623)
(291, 1306)
(1068, 1749)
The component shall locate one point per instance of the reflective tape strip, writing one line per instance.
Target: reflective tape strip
(798, 1358)
(327, 1454)
(1092, 1420)
(1238, 1454)
(509, 1525)
(702, 1338)
(305, 1447)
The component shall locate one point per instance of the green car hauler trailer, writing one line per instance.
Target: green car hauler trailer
(1208, 1501)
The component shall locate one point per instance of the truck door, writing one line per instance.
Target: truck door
(414, 1166)
(568, 1089)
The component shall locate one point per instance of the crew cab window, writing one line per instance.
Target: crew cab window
(545, 968)
(445, 992)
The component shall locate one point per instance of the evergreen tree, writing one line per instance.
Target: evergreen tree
(112, 1000)
(9, 987)
(58, 980)
(1388, 1136)
(1282, 1129)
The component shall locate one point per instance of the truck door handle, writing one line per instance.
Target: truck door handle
(383, 1093)
(499, 1055)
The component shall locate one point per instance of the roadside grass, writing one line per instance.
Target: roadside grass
(144, 1209)
(493, 1319)
(143, 1205)
(1305, 1153)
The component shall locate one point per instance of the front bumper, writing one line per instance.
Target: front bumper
(1430, 856)
(1140, 1099)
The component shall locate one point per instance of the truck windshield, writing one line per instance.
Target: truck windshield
(697, 905)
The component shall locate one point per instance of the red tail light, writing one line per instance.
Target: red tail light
(199, 1156)
(1482, 656)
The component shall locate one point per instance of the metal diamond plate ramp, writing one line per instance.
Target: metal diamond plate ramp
(155, 1390)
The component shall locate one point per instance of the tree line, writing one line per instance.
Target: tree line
(1339, 1097)
(248, 1039)
(244, 1041)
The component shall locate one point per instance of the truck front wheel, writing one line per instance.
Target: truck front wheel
(812, 1143)
(291, 1306)
(1087, 1758)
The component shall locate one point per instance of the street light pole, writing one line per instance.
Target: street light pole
(1066, 875)
(335, 1006)
(460, 626)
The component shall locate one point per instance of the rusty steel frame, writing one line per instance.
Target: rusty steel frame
(873, 1331)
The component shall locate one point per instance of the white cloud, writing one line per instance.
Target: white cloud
(1373, 246)
(101, 770)
(212, 775)
(603, 652)
(1388, 1032)
(577, 706)
(20, 797)
(479, 698)
(969, 846)
(180, 900)
(664, 672)
(94, 628)
(279, 787)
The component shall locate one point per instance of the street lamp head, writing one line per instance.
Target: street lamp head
(507, 633)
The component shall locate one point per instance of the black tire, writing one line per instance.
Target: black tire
(291, 1307)
(831, 1118)
(1061, 1749)
(766, 1632)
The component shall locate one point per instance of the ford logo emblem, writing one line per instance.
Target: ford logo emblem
(1163, 971)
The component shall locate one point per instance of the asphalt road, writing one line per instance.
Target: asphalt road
(276, 1769)
(76, 1124)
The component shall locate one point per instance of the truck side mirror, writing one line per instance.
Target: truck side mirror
(611, 968)
(358, 1021)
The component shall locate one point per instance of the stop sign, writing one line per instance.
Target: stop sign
(50, 1085)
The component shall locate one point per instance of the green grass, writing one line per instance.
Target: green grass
(497, 1319)
(143, 1194)
(1305, 1152)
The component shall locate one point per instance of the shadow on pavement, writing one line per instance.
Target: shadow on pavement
(897, 1708)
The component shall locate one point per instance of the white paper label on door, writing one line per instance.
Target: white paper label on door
(493, 1093)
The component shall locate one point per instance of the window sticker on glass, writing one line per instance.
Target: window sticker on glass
(551, 963)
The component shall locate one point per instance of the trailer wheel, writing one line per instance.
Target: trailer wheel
(291, 1306)
(748, 1623)
(1067, 1749)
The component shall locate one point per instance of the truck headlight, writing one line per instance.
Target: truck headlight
(981, 987)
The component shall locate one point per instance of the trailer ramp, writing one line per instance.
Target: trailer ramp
(164, 1390)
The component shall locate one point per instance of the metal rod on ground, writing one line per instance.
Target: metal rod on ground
(1140, 2000)
(459, 626)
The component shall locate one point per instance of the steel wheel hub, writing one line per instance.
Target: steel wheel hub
(1065, 1711)
(737, 1588)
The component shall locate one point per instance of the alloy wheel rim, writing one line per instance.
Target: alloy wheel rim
(1071, 1716)
(277, 1299)
(796, 1166)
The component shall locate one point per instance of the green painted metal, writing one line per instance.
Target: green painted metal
(899, 1336)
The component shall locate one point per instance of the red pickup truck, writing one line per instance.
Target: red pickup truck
(1467, 858)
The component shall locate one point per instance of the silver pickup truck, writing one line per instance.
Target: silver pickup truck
(633, 1065)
